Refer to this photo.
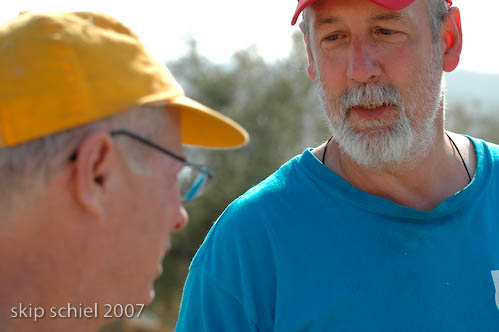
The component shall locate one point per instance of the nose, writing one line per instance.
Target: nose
(182, 219)
(363, 66)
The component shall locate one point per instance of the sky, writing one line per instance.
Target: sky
(222, 27)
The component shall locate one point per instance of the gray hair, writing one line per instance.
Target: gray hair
(437, 10)
(27, 167)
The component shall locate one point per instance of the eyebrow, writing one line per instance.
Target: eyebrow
(387, 17)
(378, 17)
(328, 20)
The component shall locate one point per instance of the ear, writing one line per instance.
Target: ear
(453, 37)
(93, 166)
(311, 64)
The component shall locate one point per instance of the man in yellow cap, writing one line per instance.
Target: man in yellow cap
(91, 129)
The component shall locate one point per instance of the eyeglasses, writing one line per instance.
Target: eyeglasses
(192, 178)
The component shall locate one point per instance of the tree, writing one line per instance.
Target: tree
(276, 103)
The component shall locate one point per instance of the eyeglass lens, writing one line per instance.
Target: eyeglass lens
(191, 182)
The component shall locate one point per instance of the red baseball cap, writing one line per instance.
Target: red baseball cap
(390, 4)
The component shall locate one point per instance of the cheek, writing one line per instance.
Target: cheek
(332, 66)
(402, 65)
(165, 202)
(332, 74)
(399, 72)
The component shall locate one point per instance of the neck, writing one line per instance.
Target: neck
(38, 277)
(420, 184)
(27, 317)
(32, 303)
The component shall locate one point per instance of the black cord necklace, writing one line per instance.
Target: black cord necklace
(462, 159)
(454, 144)
(325, 149)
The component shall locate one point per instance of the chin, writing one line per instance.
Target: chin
(142, 293)
(151, 296)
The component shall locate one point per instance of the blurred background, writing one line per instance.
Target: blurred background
(244, 59)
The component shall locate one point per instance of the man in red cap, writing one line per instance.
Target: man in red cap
(391, 225)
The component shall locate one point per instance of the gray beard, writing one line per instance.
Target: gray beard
(405, 143)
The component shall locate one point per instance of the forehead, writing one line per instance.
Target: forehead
(337, 11)
(162, 125)
(170, 131)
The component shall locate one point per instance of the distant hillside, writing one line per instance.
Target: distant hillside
(473, 88)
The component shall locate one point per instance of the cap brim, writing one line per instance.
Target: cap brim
(390, 4)
(299, 8)
(202, 126)
(393, 4)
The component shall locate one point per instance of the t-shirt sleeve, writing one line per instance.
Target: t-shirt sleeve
(208, 307)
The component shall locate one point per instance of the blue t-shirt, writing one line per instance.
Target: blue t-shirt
(306, 251)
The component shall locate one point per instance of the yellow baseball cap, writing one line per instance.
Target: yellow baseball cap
(63, 70)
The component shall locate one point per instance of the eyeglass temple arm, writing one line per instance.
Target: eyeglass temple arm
(160, 148)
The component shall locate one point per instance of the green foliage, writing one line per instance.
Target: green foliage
(474, 120)
(276, 103)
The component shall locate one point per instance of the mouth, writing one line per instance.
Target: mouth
(159, 268)
(370, 111)
(370, 106)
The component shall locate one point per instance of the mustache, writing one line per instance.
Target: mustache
(380, 94)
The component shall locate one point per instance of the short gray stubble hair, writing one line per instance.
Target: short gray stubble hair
(25, 168)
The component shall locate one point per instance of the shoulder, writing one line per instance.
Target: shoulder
(494, 150)
(486, 148)
(254, 205)
(487, 155)
(243, 222)
(246, 227)
(238, 254)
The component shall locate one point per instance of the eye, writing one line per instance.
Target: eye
(385, 32)
(389, 35)
(333, 37)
